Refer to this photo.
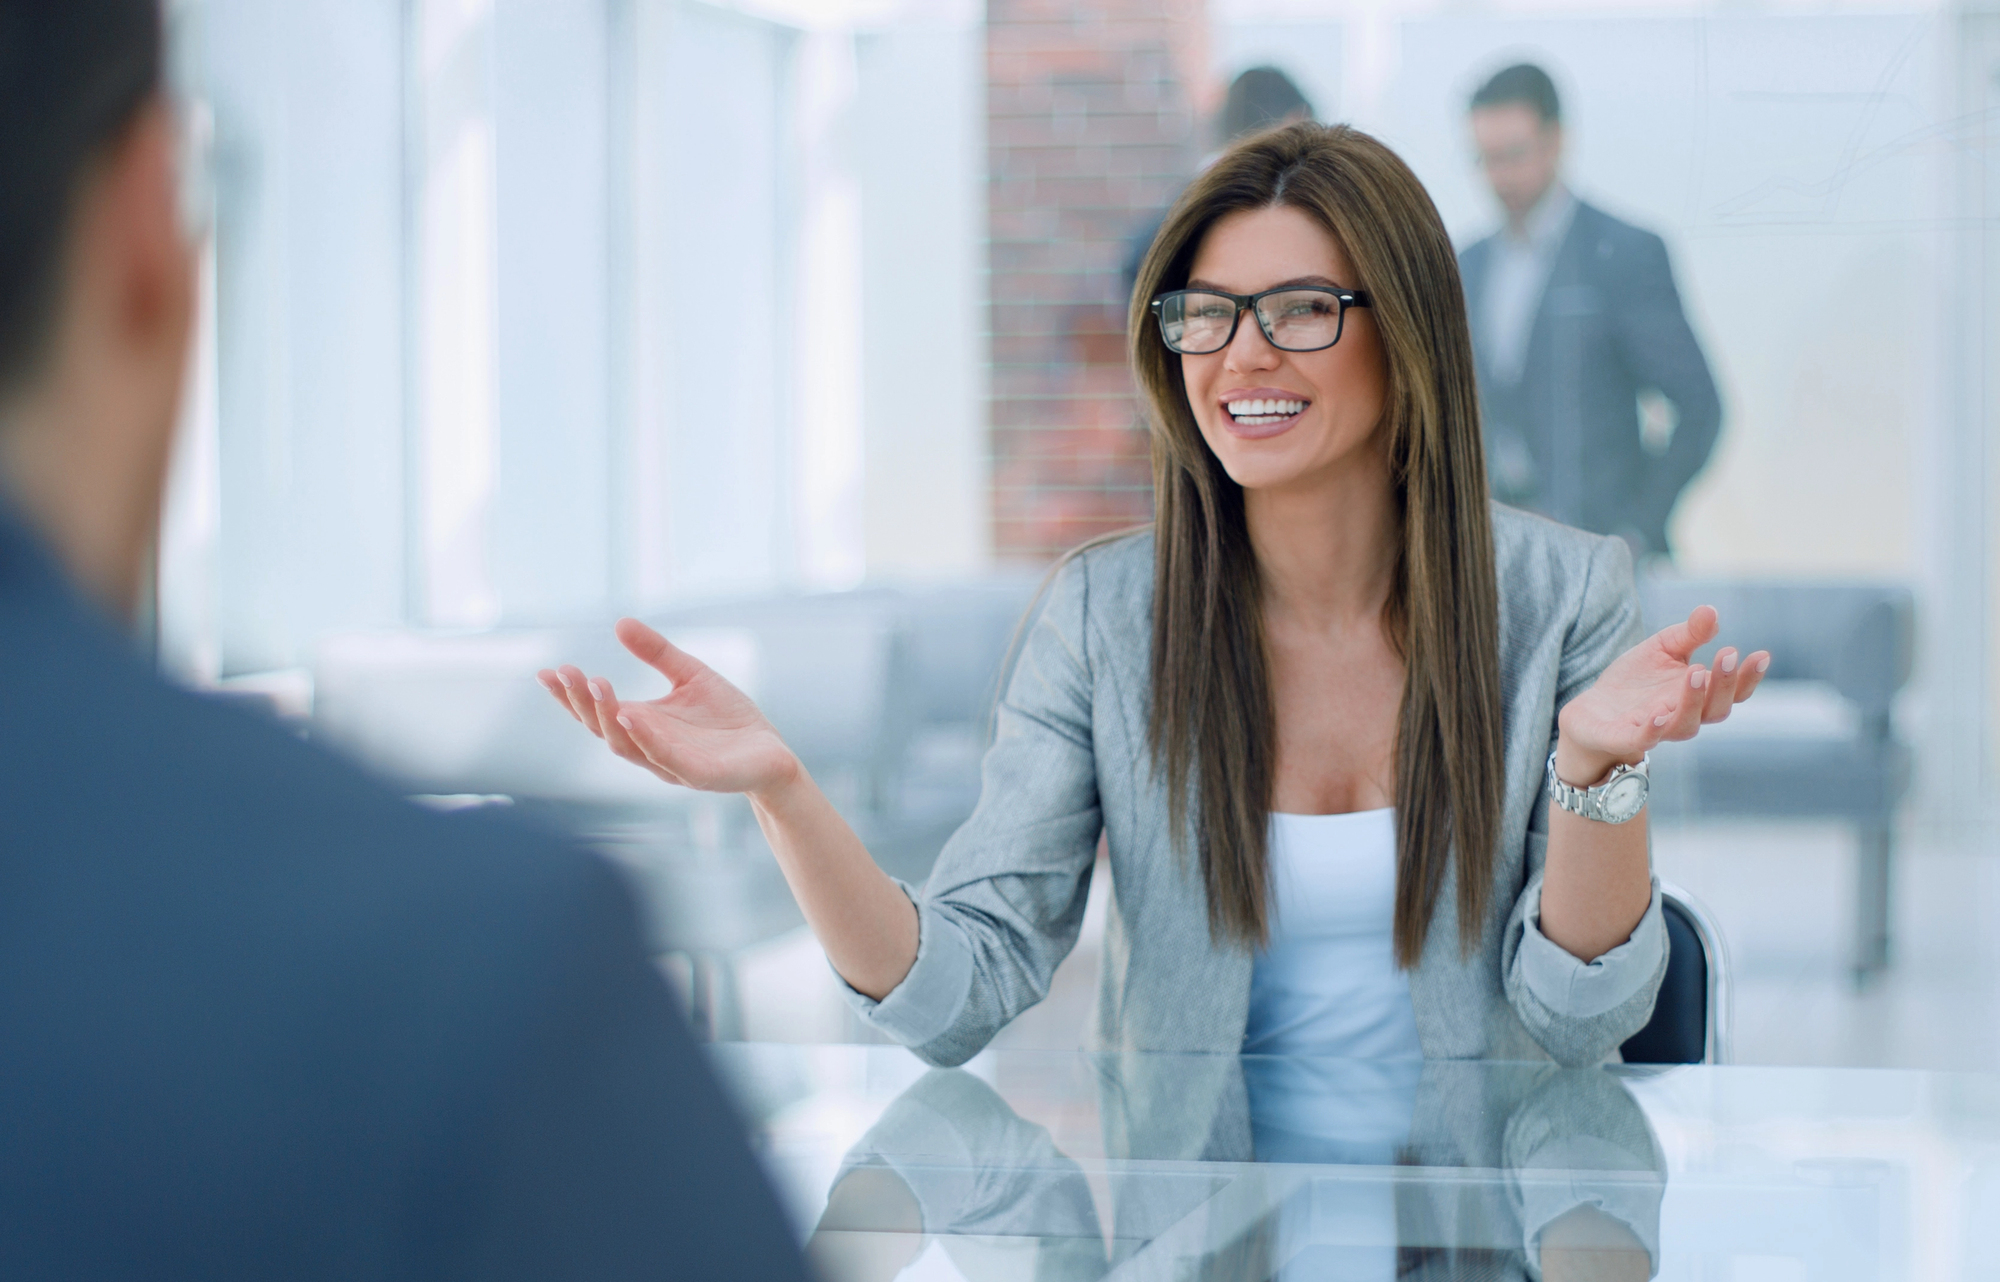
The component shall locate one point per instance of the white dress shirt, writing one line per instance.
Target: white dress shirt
(1516, 276)
(1327, 984)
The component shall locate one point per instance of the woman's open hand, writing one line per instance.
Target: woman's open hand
(704, 734)
(1650, 693)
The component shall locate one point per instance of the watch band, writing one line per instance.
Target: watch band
(1617, 798)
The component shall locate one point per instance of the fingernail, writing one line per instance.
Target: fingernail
(1697, 679)
(1729, 662)
(1764, 664)
(564, 678)
(596, 692)
(1661, 720)
(624, 720)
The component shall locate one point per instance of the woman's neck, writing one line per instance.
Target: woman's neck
(1326, 548)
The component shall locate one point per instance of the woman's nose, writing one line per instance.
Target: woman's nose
(1249, 349)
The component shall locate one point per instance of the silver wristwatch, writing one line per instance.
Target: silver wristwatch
(1617, 800)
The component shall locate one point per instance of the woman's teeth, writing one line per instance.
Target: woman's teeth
(1259, 413)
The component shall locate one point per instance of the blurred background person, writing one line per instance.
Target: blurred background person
(1574, 318)
(1260, 98)
(264, 1018)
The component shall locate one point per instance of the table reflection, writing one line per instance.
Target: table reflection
(950, 1160)
(1563, 1177)
(1032, 1165)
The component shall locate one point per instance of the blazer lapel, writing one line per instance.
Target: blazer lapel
(1567, 276)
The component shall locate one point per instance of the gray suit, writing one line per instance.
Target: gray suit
(1005, 901)
(1564, 439)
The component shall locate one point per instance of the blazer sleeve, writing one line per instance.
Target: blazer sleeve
(1581, 1140)
(595, 1141)
(1581, 1011)
(976, 1167)
(1005, 901)
(1659, 348)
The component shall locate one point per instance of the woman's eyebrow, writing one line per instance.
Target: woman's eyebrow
(1283, 284)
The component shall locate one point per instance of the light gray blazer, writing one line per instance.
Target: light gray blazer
(1069, 761)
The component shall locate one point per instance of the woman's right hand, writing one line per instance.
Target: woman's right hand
(705, 733)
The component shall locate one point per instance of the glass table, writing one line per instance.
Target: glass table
(1072, 1166)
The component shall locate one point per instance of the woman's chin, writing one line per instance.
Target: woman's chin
(1255, 463)
(1265, 473)
(1305, 455)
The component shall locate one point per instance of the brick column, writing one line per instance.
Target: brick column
(1091, 127)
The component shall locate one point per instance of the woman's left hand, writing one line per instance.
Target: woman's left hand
(1653, 692)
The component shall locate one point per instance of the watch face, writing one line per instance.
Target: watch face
(1624, 797)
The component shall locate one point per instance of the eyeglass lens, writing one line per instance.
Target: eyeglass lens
(1300, 320)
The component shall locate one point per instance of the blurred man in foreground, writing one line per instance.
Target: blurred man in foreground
(263, 1019)
(1575, 322)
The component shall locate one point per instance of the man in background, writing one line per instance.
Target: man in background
(1585, 357)
(261, 1017)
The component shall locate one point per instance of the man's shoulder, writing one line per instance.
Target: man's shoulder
(233, 840)
(326, 1007)
(1476, 250)
(477, 878)
(1611, 239)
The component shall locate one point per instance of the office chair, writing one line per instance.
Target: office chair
(1856, 641)
(1690, 1023)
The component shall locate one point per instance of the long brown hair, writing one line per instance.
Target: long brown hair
(1213, 727)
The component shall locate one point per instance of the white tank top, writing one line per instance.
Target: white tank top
(1328, 985)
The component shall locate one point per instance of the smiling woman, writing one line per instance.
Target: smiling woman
(1367, 751)
(1382, 452)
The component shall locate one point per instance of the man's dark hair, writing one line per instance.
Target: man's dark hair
(1523, 84)
(1259, 98)
(74, 74)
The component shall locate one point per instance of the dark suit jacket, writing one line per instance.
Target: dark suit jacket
(259, 1017)
(1609, 326)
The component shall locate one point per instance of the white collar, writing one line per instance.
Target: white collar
(1547, 221)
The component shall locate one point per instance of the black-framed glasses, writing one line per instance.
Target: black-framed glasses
(1296, 318)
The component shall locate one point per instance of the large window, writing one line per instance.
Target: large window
(539, 309)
